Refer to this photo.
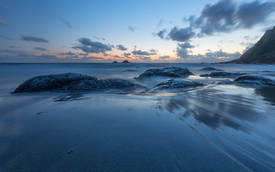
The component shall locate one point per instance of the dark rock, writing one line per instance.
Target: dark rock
(176, 83)
(115, 62)
(71, 82)
(263, 52)
(223, 82)
(222, 74)
(167, 71)
(125, 61)
(210, 69)
(254, 80)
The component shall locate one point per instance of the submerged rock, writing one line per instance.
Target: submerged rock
(167, 71)
(254, 80)
(210, 69)
(176, 83)
(71, 82)
(222, 74)
(223, 82)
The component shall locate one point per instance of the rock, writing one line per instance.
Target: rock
(210, 69)
(223, 82)
(71, 82)
(254, 80)
(222, 74)
(115, 62)
(263, 52)
(125, 61)
(176, 83)
(167, 71)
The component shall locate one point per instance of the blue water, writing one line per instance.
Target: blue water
(213, 128)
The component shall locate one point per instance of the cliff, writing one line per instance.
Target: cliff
(263, 52)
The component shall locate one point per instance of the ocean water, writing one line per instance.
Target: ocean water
(212, 128)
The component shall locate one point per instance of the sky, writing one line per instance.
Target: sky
(155, 31)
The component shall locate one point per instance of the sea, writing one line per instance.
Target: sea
(210, 128)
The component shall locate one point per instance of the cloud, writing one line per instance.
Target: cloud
(143, 53)
(7, 55)
(181, 35)
(99, 38)
(33, 39)
(121, 47)
(247, 45)
(250, 14)
(66, 23)
(222, 17)
(226, 16)
(89, 46)
(161, 33)
(127, 55)
(161, 22)
(39, 48)
(153, 52)
(67, 54)
(186, 45)
(131, 28)
(164, 57)
(14, 47)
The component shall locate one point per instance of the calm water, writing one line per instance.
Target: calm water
(213, 128)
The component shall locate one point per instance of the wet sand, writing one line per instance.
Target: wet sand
(215, 128)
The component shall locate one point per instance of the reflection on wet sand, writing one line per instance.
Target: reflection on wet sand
(213, 108)
(267, 93)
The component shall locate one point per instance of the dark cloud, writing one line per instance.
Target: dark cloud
(127, 55)
(161, 33)
(121, 47)
(117, 56)
(131, 28)
(105, 54)
(216, 18)
(186, 45)
(252, 13)
(226, 16)
(89, 46)
(14, 47)
(34, 39)
(181, 35)
(7, 55)
(144, 53)
(39, 48)
(153, 52)
(222, 17)
(66, 23)
(164, 57)
(68, 54)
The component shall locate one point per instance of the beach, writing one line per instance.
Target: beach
(210, 128)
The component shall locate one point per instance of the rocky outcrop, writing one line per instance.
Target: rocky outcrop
(166, 72)
(210, 69)
(71, 82)
(115, 62)
(224, 82)
(254, 80)
(222, 74)
(175, 84)
(263, 52)
(125, 61)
